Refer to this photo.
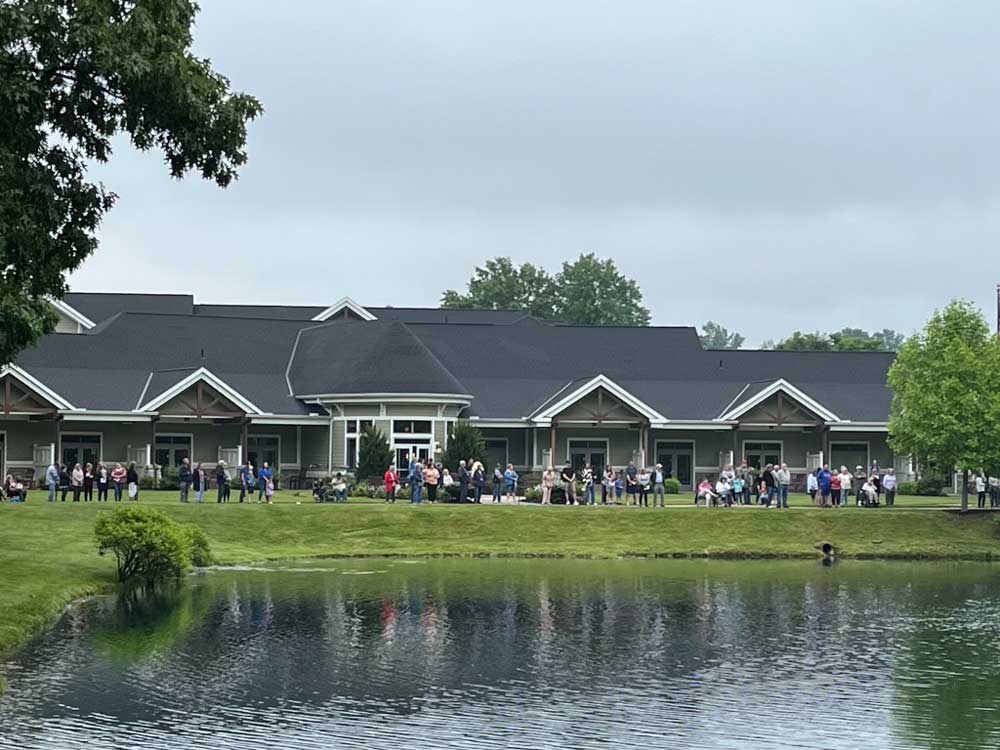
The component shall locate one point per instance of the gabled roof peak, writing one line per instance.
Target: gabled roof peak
(341, 305)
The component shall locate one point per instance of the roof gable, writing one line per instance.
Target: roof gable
(754, 397)
(344, 307)
(32, 390)
(180, 395)
(577, 393)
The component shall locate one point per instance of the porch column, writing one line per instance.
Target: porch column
(736, 446)
(552, 442)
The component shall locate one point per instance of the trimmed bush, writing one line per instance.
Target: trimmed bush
(200, 551)
(672, 486)
(906, 488)
(930, 486)
(147, 544)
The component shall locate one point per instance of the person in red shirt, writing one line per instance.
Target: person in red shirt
(391, 479)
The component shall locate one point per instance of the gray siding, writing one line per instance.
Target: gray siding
(315, 446)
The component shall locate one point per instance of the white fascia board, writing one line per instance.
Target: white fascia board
(340, 305)
(19, 373)
(600, 381)
(72, 313)
(207, 376)
(291, 419)
(103, 415)
(716, 425)
(390, 398)
(780, 385)
(858, 426)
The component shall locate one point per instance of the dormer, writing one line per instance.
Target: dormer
(345, 308)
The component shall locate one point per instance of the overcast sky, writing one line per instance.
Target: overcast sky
(774, 165)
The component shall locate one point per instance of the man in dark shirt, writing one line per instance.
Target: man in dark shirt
(463, 482)
(569, 484)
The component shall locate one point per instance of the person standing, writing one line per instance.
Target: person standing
(812, 485)
(889, 485)
(644, 479)
(548, 483)
(416, 482)
(198, 482)
(846, 484)
(246, 480)
(497, 482)
(463, 482)
(478, 482)
(265, 487)
(587, 479)
(118, 480)
(745, 473)
(101, 480)
(824, 481)
(52, 481)
(859, 481)
(784, 484)
(769, 484)
(65, 481)
(659, 491)
(632, 483)
(88, 483)
(185, 478)
(510, 481)
(132, 478)
(980, 490)
(77, 482)
(568, 477)
(836, 489)
(223, 482)
(391, 479)
(608, 486)
(431, 478)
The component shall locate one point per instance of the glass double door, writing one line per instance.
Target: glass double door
(583, 452)
(677, 459)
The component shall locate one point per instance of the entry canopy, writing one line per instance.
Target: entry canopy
(753, 402)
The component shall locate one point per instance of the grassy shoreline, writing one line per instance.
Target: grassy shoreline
(49, 558)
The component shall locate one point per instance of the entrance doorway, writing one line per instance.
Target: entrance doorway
(80, 449)
(593, 452)
(759, 455)
(677, 458)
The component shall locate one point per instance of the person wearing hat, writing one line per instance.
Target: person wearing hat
(656, 479)
(860, 478)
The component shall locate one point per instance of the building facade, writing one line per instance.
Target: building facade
(157, 378)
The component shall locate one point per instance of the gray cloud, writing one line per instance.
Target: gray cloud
(820, 164)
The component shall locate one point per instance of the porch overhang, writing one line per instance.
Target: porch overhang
(548, 414)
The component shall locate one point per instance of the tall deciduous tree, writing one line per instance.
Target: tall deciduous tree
(591, 291)
(74, 74)
(588, 291)
(844, 340)
(500, 285)
(715, 336)
(946, 393)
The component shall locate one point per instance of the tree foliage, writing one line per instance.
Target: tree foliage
(715, 336)
(946, 393)
(587, 291)
(73, 75)
(464, 443)
(148, 545)
(844, 340)
(374, 454)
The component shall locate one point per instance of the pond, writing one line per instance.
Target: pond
(524, 653)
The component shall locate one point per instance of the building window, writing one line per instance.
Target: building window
(583, 452)
(171, 450)
(850, 455)
(80, 449)
(411, 427)
(761, 454)
(354, 429)
(263, 449)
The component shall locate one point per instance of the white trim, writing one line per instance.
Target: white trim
(341, 304)
(26, 378)
(3, 453)
(712, 425)
(859, 427)
(780, 385)
(743, 449)
(390, 398)
(868, 452)
(72, 313)
(545, 416)
(500, 423)
(100, 445)
(206, 375)
(578, 439)
(290, 419)
(104, 416)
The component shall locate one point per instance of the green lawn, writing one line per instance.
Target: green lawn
(48, 556)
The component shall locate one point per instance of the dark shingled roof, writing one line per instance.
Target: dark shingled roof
(348, 357)
(509, 363)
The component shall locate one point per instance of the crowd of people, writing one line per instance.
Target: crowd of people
(770, 486)
(83, 480)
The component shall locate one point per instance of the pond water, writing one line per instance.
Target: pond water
(524, 654)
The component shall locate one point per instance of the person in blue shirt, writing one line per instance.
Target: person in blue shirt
(246, 480)
(52, 480)
(510, 480)
(264, 476)
(824, 479)
(416, 481)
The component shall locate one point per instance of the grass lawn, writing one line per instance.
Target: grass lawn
(48, 555)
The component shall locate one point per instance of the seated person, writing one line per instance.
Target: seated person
(339, 488)
(869, 493)
(319, 491)
(14, 490)
(705, 492)
(725, 491)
